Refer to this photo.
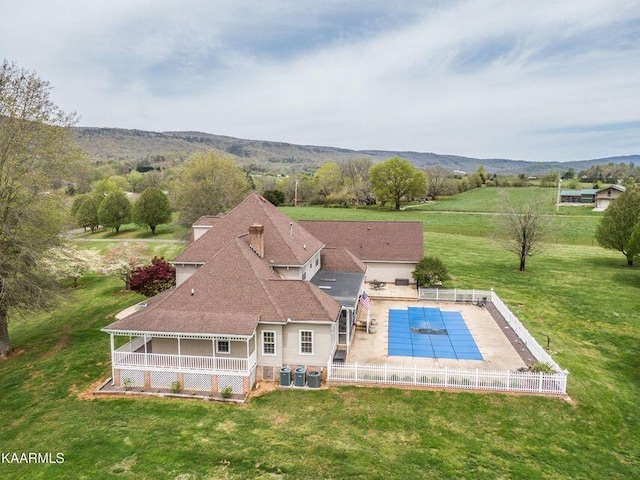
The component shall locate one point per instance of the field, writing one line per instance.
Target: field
(581, 296)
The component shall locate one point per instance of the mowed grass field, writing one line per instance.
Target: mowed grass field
(581, 296)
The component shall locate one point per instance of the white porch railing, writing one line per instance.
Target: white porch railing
(525, 382)
(126, 359)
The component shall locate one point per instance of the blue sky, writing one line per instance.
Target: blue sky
(532, 80)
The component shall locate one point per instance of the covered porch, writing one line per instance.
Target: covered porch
(346, 288)
(186, 361)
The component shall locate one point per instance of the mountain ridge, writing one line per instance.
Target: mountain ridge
(136, 147)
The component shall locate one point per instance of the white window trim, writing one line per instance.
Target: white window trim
(300, 332)
(221, 351)
(275, 348)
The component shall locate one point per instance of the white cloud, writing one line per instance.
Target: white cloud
(479, 78)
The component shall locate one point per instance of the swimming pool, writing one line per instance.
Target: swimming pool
(428, 332)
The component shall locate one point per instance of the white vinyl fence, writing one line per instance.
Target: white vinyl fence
(526, 382)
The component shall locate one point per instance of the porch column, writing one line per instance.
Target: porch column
(179, 354)
(113, 354)
(246, 341)
(348, 325)
(144, 339)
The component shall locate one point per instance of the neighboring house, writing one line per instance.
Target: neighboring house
(586, 196)
(255, 292)
(606, 195)
(390, 250)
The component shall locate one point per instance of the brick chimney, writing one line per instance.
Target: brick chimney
(256, 239)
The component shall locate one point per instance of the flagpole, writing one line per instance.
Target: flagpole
(368, 321)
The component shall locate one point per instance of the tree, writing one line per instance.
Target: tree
(85, 211)
(102, 188)
(69, 262)
(524, 229)
(134, 178)
(396, 179)
(437, 178)
(120, 260)
(115, 210)
(328, 179)
(36, 152)
(430, 272)
(482, 173)
(209, 183)
(619, 223)
(153, 279)
(274, 196)
(152, 209)
(355, 174)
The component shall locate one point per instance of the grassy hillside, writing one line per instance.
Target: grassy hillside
(583, 297)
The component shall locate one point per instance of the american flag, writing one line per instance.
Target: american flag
(365, 301)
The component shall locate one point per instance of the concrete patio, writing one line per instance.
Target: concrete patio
(496, 349)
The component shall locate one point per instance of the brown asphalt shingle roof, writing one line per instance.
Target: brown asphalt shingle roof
(371, 241)
(280, 247)
(341, 260)
(232, 292)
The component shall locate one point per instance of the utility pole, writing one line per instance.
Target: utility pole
(295, 195)
(558, 199)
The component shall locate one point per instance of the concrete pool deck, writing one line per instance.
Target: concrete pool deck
(496, 349)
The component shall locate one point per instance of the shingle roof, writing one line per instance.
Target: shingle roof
(342, 260)
(372, 241)
(232, 292)
(285, 241)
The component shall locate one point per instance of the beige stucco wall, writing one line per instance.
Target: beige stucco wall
(388, 272)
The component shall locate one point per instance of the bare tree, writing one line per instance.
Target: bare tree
(524, 228)
(436, 180)
(356, 177)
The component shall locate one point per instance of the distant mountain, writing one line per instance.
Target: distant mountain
(163, 149)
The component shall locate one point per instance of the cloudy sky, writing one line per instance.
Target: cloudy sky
(532, 80)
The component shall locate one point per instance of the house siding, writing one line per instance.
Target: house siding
(199, 230)
(183, 272)
(270, 360)
(323, 344)
(289, 273)
(202, 348)
(388, 272)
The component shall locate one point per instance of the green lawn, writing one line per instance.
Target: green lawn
(583, 297)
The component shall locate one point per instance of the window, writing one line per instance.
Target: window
(306, 342)
(223, 346)
(317, 260)
(268, 342)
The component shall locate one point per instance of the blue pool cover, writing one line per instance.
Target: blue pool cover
(430, 333)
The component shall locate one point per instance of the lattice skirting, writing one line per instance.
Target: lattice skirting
(163, 379)
(134, 378)
(236, 383)
(197, 382)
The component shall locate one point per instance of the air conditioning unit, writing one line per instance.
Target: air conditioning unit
(285, 377)
(300, 377)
